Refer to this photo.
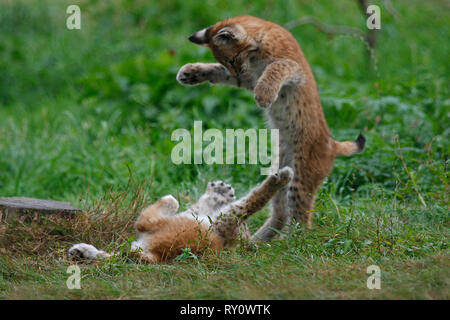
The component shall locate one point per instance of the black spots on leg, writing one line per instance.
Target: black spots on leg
(292, 197)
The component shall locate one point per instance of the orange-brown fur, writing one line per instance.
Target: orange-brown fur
(167, 236)
(213, 223)
(263, 57)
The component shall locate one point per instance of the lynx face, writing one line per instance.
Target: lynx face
(230, 43)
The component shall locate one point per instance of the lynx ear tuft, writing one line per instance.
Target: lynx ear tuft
(200, 37)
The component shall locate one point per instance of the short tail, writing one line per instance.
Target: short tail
(348, 148)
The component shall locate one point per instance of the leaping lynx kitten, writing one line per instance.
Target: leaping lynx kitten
(213, 223)
(263, 57)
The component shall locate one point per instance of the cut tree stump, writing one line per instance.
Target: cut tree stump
(34, 209)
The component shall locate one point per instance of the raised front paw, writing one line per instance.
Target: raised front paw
(192, 73)
(220, 192)
(283, 176)
(265, 95)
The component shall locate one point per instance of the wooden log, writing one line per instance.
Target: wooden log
(33, 209)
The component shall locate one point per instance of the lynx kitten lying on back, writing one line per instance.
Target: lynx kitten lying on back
(214, 222)
(263, 57)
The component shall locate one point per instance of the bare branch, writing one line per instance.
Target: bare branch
(328, 29)
(390, 8)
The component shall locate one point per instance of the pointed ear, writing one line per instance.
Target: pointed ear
(200, 37)
(229, 34)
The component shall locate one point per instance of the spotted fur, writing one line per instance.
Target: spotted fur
(216, 221)
(265, 58)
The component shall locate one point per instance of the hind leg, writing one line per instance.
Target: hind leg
(87, 251)
(228, 223)
(308, 178)
(167, 205)
(301, 203)
(279, 209)
(154, 213)
(150, 220)
(145, 257)
(279, 217)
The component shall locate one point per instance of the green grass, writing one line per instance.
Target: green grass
(86, 116)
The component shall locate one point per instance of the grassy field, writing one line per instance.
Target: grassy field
(86, 116)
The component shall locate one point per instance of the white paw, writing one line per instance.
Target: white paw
(286, 174)
(86, 251)
(220, 192)
(138, 245)
(283, 176)
(170, 203)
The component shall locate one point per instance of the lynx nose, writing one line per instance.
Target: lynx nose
(192, 38)
(199, 37)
